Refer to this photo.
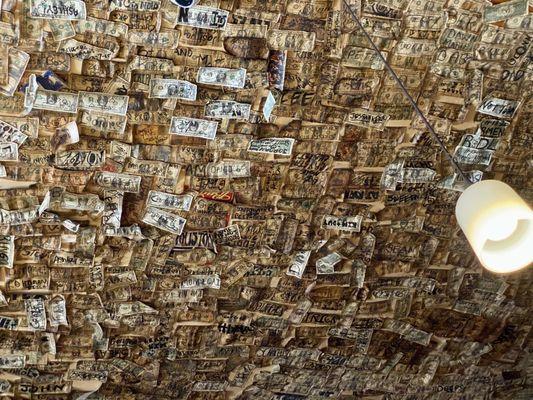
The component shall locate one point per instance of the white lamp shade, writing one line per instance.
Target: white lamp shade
(498, 224)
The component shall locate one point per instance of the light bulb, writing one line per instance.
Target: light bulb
(498, 225)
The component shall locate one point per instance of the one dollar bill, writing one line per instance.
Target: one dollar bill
(172, 89)
(58, 9)
(193, 127)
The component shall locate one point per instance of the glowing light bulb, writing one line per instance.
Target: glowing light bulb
(498, 225)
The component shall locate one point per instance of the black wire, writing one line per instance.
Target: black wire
(411, 100)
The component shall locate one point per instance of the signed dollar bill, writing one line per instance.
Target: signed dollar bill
(9, 133)
(164, 220)
(102, 26)
(233, 78)
(104, 103)
(169, 201)
(56, 101)
(9, 152)
(84, 51)
(227, 109)
(291, 40)
(153, 39)
(203, 17)
(172, 89)
(17, 62)
(280, 146)
(193, 127)
(58, 9)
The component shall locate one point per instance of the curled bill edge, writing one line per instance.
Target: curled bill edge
(30, 94)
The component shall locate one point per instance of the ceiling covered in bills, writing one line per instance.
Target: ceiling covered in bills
(236, 201)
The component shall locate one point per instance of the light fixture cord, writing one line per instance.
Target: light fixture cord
(411, 100)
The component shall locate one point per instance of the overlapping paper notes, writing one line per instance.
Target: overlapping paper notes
(236, 201)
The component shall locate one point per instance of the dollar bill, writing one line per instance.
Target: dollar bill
(169, 201)
(172, 89)
(4, 63)
(233, 78)
(367, 119)
(58, 9)
(123, 182)
(201, 282)
(103, 103)
(8, 34)
(299, 263)
(193, 127)
(9, 133)
(227, 109)
(56, 101)
(36, 314)
(84, 51)
(228, 169)
(291, 40)
(7, 251)
(103, 122)
(279, 146)
(343, 223)
(164, 220)
(80, 159)
(61, 30)
(326, 264)
(134, 5)
(360, 57)
(153, 39)
(507, 10)
(202, 17)
(27, 125)
(12, 361)
(17, 62)
(102, 26)
(9, 152)
(270, 102)
(67, 134)
(500, 108)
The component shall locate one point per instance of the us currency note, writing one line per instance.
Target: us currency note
(66, 134)
(291, 40)
(9, 133)
(58, 9)
(56, 101)
(103, 122)
(123, 182)
(227, 109)
(203, 17)
(153, 39)
(9, 152)
(84, 51)
(299, 263)
(80, 159)
(27, 125)
(326, 265)
(280, 146)
(233, 78)
(17, 62)
(201, 282)
(7, 251)
(36, 314)
(135, 5)
(507, 10)
(12, 361)
(4, 64)
(193, 127)
(102, 26)
(164, 220)
(169, 201)
(104, 103)
(61, 29)
(228, 169)
(172, 89)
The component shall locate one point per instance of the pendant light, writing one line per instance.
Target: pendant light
(496, 221)
(498, 225)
